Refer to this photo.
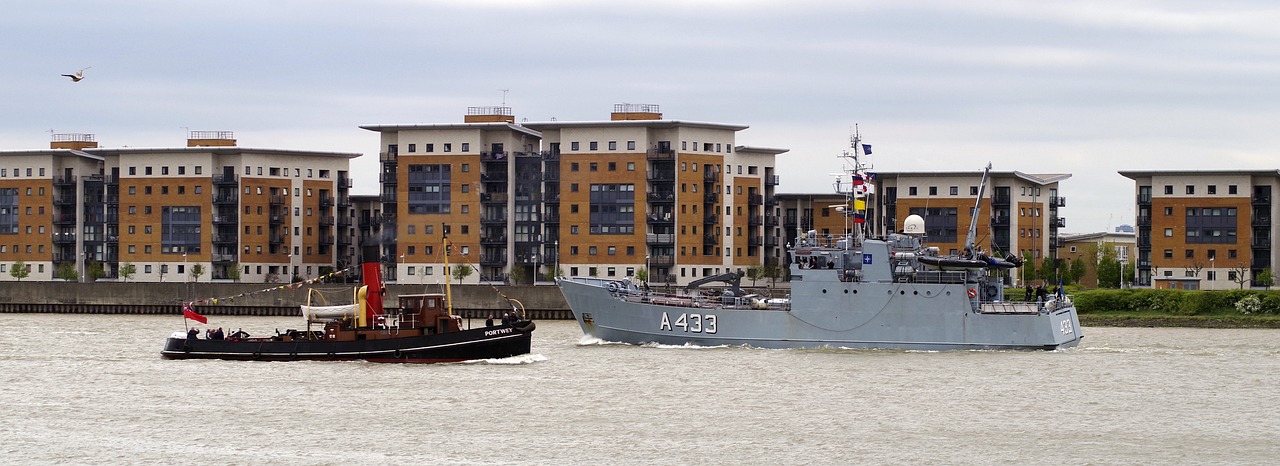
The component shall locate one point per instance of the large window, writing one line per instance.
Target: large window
(613, 208)
(8, 211)
(429, 189)
(940, 223)
(1211, 225)
(180, 229)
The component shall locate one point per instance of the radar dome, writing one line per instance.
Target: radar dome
(913, 225)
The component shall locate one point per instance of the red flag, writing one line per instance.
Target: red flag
(190, 314)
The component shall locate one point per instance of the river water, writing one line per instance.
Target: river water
(93, 389)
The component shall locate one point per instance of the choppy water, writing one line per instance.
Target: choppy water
(93, 389)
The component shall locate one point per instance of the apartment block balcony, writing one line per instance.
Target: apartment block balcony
(226, 199)
(387, 196)
(493, 239)
(1144, 199)
(1261, 199)
(1261, 220)
(225, 239)
(226, 180)
(344, 221)
(275, 220)
(223, 258)
(710, 176)
(64, 200)
(345, 182)
(493, 198)
(493, 219)
(1000, 199)
(493, 259)
(771, 180)
(662, 261)
(770, 201)
(1000, 221)
(277, 239)
(64, 181)
(660, 154)
(64, 219)
(389, 178)
(326, 220)
(660, 218)
(660, 239)
(662, 175)
(1058, 201)
(277, 199)
(770, 220)
(326, 202)
(64, 238)
(1144, 220)
(224, 219)
(754, 220)
(662, 197)
(711, 198)
(789, 221)
(755, 241)
(754, 200)
(711, 218)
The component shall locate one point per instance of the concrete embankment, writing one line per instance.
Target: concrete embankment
(259, 299)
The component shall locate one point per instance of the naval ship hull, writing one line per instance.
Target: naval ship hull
(902, 316)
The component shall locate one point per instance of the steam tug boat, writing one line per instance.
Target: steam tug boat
(422, 330)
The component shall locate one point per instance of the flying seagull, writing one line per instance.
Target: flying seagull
(75, 78)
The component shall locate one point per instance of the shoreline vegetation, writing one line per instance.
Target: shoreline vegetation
(1174, 308)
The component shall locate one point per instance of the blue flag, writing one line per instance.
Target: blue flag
(866, 149)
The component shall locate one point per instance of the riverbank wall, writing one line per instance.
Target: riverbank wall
(257, 299)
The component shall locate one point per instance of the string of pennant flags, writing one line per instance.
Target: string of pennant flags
(286, 286)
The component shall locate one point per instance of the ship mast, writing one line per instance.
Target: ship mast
(977, 209)
(448, 279)
(856, 174)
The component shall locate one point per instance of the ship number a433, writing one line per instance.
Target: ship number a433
(692, 323)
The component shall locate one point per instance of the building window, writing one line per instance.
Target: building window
(1212, 189)
(1191, 189)
(1168, 189)
(1168, 254)
(573, 167)
(955, 190)
(933, 190)
(631, 145)
(1168, 232)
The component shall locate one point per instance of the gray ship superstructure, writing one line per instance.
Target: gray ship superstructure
(890, 292)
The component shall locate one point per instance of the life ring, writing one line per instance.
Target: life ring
(613, 287)
(973, 293)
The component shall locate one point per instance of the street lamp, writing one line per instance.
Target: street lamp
(647, 272)
(1122, 274)
(555, 272)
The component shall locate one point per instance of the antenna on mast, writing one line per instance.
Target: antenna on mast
(504, 96)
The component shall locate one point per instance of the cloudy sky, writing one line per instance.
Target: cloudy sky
(1080, 87)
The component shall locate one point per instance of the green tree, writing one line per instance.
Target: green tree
(1029, 272)
(95, 271)
(19, 270)
(1078, 269)
(196, 272)
(127, 270)
(67, 271)
(233, 272)
(642, 275)
(1266, 279)
(461, 272)
(1108, 269)
(755, 273)
(773, 273)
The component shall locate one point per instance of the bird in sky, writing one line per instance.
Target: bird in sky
(75, 78)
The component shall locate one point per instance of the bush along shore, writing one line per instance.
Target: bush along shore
(1175, 308)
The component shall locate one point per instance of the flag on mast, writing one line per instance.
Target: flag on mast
(190, 314)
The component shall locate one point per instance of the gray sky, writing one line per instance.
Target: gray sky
(1081, 87)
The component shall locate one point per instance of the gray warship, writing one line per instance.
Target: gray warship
(890, 292)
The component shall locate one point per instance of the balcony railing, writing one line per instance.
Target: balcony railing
(662, 197)
(660, 238)
(662, 261)
(659, 154)
(710, 239)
